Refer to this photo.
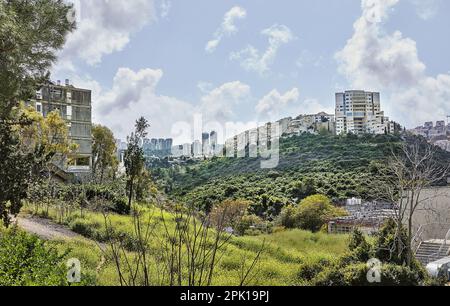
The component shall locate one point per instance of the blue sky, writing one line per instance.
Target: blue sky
(273, 59)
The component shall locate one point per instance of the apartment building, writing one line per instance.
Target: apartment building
(359, 112)
(438, 134)
(75, 106)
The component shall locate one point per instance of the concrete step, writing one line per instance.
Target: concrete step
(430, 251)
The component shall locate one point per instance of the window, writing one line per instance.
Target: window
(39, 107)
(69, 112)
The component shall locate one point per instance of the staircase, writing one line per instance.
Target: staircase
(432, 250)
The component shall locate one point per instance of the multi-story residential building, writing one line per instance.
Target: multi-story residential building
(158, 147)
(313, 123)
(438, 134)
(213, 141)
(177, 151)
(359, 112)
(206, 149)
(187, 150)
(197, 149)
(75, 106)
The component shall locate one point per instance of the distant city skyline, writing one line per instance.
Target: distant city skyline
(256, 61)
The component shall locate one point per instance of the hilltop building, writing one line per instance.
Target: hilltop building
(313, 124)
(438, 134)
(359, 112)
(75, 106)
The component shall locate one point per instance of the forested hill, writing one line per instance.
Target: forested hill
(337, 166)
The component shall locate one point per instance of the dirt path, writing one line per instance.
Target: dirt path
(46, 229)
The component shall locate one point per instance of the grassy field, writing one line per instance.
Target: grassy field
(280, 261)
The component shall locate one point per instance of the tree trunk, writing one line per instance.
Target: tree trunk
(101, 175)
(130, 194)
(409, 242)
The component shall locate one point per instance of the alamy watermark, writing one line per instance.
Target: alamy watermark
(239, 140)
(73, 271)
(374, 273)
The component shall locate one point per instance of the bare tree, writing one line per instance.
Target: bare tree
(411, 169)
(189, 250)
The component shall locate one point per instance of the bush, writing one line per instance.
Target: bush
(351, 269)
(229, 213)
(356, 275)
(311, 214)
(120, 206)
(247, 222)
(26, 260)
(309, 270)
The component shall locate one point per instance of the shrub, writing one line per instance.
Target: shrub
(309, 270)
(229, 213)
(356, 275)
(247, 222)
(120, 206)
(26, 260)
(311, 214)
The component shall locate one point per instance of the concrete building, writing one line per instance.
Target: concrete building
(197, 149)
(312, 123)
(213, 141)
(158, 147)
(438, 134)
(359, 112)
(206, 148)
(75, 106)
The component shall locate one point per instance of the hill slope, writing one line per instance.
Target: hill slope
(337, 166)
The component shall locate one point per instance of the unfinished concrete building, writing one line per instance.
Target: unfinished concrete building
(74, 106)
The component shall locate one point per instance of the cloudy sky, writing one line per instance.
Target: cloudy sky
(254, 61)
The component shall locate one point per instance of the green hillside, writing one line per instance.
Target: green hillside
(337, 166)
(284, 253)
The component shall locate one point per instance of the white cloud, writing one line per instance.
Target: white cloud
(134, 94)
(218, 104)
(375, 60)
(274, 103)
(426, 9)
(313, 106)
(165, 7)
(104, 27)
(252, 59)
(227, 27)
(307, 58)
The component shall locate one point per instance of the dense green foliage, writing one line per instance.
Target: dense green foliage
(27, 261)
(134, 156)
(336, 166)
(311, 214)
(284, 252)
(352, 269)
(104, 149)
(31, 32)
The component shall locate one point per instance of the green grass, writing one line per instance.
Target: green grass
(283, 255)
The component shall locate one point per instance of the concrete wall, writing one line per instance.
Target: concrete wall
(434, 209)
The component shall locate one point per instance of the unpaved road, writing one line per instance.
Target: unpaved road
(45, 229)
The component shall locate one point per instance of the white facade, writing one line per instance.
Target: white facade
(359, 112)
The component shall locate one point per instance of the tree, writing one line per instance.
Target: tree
(311, 214)
(48, 140)
(103, 151)
(229, 212)
(413, 167)
(31, 32)
(134, 155)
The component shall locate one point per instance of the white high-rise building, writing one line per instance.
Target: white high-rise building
(359, 112)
